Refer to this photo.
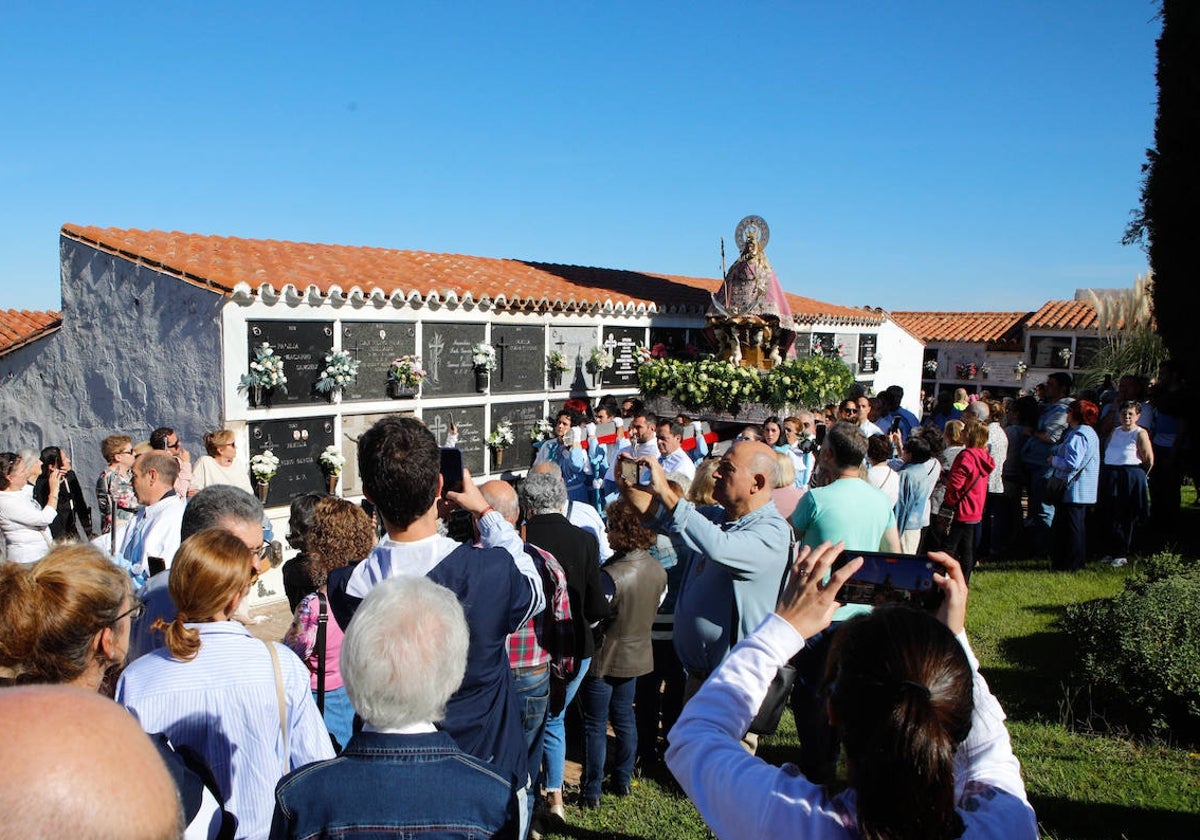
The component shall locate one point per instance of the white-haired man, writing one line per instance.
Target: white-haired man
(403, 656)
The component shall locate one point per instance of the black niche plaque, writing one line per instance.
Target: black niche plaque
(375, 344)
(469, 422)
(622, 342)
(523, 417)
(520, 358)
(298, 445)
(303, 346)
(866, 353)
(446, 354)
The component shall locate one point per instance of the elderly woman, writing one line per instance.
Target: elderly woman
(25, 523)
(244, 705)
(638, 583)
(341, 534)
(1076, 465)
(220, 465)
(114, 488)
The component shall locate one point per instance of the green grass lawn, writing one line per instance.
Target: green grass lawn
(1081, 784)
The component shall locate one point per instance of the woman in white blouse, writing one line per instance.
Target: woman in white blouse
(221, 465)
(25, 523)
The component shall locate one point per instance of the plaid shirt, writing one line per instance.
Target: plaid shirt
(550, 635)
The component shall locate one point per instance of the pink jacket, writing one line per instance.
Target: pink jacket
(966, 485)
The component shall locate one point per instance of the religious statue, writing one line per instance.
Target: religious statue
(749, 318)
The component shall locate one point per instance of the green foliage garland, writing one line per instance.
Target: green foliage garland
(722, 386)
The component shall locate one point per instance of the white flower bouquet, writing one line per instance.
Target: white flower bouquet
(542, 430)
(266, 371)
(483, 356)
(332, 460)
(341, 369)
(264, 466)
(600, 359)
(501, 436)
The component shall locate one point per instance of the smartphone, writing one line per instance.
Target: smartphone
(629, 471)
(888, 578)
(895, 424)
(452, 470)
(460, 527)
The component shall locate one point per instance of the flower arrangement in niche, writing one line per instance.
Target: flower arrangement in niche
(264, 466)
(483, 356)
(1064, 354)
(542, 430)
(931, 366)
(556, 362)
(266, 371)
(967, 371)
(332, 460)
(1019, 368)
(406, 371)
(341, 369)
(644, 354)
(501, 436)
(985, 370)
(600, 359)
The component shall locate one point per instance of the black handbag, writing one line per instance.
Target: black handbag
(1056, 488)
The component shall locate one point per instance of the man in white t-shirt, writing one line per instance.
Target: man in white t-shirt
(152, 537)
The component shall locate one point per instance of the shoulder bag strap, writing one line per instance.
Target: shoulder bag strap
(319, 652)
(280, 697)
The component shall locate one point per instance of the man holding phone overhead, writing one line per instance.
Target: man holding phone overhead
(740, 551)
(497, 583)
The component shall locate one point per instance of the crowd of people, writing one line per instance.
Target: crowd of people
(662, 579)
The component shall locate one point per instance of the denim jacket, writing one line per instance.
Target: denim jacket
(419, 785)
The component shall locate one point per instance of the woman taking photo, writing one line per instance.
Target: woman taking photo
(927, 754)
(244, 705)
(72, 509)
(1076, 465)
(1128, 459)
(220, 465)
(25, 523)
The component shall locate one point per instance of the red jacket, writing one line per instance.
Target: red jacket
(966, 485)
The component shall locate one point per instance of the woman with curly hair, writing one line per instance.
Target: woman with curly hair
(341, 533)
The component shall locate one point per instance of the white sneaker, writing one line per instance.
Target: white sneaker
(1118, 562)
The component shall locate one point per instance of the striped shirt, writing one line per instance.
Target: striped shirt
(223, 704)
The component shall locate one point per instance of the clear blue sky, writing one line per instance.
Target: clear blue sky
(910, 155)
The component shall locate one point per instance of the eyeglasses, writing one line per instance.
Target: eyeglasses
(134, 612)
(127, 452)
(849, 411)
(174, 445)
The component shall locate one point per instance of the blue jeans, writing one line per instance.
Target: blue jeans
(605, 699)
(555, 744)
(338, 715)
(533, 693)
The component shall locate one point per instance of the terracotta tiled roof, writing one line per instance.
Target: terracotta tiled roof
(18, 327)
(998, 330)
(1064, 315)
(270, 268)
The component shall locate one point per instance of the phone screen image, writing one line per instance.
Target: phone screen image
(887, 578)
(629, 472)
(452, 470)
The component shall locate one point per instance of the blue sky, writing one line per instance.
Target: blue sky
(910, 155)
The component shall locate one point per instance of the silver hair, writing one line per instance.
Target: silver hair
(543, 493)
(549, 468)
(217, 504)
(405, 652)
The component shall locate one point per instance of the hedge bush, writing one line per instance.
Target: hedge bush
(1139, 652)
